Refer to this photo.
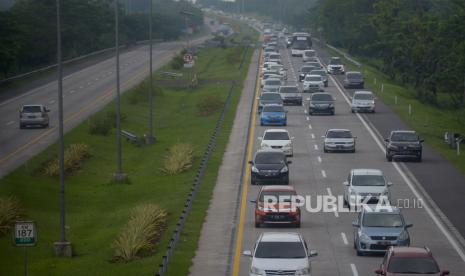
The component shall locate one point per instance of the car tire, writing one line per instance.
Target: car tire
(46, 125)
(352, 151)
(359, 253)
(419, 158)
(388, 157)
(297, 225)
(257, 224)
(253, 181)
(325, 150)
(286, 181)
(21, 126)
(346, 205)
(332, 112)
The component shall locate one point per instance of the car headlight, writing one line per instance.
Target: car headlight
(403, 236)
(256, 270)
(331, 105)
(284, 169)
(385, 193)
(264, 145)
(255, 170)
(312, 105)
(392, 147)
(363, 237)
(303, 271)
(288, 144)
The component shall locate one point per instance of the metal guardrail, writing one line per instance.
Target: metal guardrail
(346, 56)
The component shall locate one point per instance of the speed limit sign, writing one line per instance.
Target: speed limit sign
(25, 233)
(187, 57)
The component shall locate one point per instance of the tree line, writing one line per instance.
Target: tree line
(28, 29)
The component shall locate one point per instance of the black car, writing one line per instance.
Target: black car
(304, 70)
(269, 166)
(321, 103)
(404, 143)
(353, 80)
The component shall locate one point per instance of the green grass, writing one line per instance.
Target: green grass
(97, 208)
(430, 121)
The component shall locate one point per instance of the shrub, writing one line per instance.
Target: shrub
(141, 93)
(140, 235)
(209, 105)
(178, 159)
(75, 154)
(177, 63)
(99, 125)
(9, 212)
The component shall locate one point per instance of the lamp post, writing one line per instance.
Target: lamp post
(62, 247)
(150, 138)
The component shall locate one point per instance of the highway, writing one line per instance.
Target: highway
(85, 92)
(316, 173)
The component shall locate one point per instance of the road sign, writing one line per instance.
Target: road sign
(25, 233)
(187, 57)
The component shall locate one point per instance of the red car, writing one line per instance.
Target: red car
(279, 209)
(407, 261)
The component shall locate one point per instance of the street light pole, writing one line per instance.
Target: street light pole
(119, 176)
(150, 139)
(62, 247)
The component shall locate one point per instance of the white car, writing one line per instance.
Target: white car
(366, 186)
(309, 55)
(270, 76)
(313, 83)
(335, 66)
(278, 139)
(339, 140)
(276, 253)
(363, 101)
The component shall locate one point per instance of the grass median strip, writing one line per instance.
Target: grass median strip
(97, 209)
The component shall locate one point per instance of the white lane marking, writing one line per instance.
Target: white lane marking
(315, 146)
(336, 214)
(310, 126)
(319, 159)
(414, 190)
(305, 111)
(51, 102)
(313, 136)
(323, 173)
(72, 91)
(10, 123)
(89, 83)
(80, 87)
(308, 118)
(96, 79)
(344, 238)
(354, 269)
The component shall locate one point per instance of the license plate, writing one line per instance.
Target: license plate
(277, 217)
(383, 243)
(31, 117)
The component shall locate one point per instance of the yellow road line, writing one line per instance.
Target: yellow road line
(240, 231)
(107, 94)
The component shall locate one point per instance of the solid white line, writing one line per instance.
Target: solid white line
(316, 147)
(323, 173)
(313, 136)
(309, 126)
(308, 118)
(72, 91)
(80, 87)
(354, 269)
(426, 206)
(96, 79)
(344, 238)
(51, 102)
(319, 159)
(305, 111)
(10, 123)
(89, 83)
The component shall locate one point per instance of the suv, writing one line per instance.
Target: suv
(378, 229)
(363, 101)
(313, 83)
(323, 75)
(335, 66)
(278, 208)
(321, 103)
(272, 84)
(365, 184)
(404, 143)
(409, 260)
(339, 140)
(278, 139)
(33, 115)
(280, 253)
(290, 94)
(308, 55)
(269, 165)
(353, 79)
(304, 70)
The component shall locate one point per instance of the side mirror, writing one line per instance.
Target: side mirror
(289, 162)
(257, 98)
(322, 136)
(389, 184)
(260, 138)
(355, 137)
(386, 140)
(47, 110)
(409, 225)
(345, 183)
(422, 140)
(312, 253)
(247, 253)
(445, 272)
(292, 138)
(355, 223)
(379, 271)
(308, 99)
(253, 201)
(251, 162)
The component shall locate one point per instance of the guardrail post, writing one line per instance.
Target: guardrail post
(395, 99)
(409, 109)
(382, 87)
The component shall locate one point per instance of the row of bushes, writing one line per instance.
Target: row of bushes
(10, 211)
(178, 159)
(102, 124)
(74, 156)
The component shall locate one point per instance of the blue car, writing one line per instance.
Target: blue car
(273, 115)
(378, 229)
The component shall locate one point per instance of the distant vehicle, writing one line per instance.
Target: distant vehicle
(290, 94)
(269, 166)
(418, 261)
(363, 101)
(272, 84)
(404, 143)
(270, 75)
(274, 58)
(308, 54)
(313, 83)
(377, 230)
(269, 98)
(335, 66)
(278, 253)
(365, 185)
(338, 140)
(304, 70)
(353, 79)
(315, 64)
(323, 74)
(321, 103)
(282, 211)
(33, 115)
(300, 43)
(267, 35)
(277, 139)
(273, 114)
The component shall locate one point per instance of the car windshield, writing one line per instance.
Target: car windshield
(271, 135)
(318, 72)
(32, 109)
(300, 45)
(382, 220)
(322, 97)
(368, 180)
(273, 109)
(315, 64)
(273, 82)
(270, 158)
(274, 56)
(363, 96)
(335, 61)
(288, 89)
(313, 78)
(413, 266)
(339, 134)
(404, 136)
(354, 76)
(270, 96)
(310, 53)
(280, 250)
(273, 76)
(277, 195)
(307, 69)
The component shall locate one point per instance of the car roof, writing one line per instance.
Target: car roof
(381, 210)
(309, 75)
(278, 188)
(363, 92)
(404, 251)
(280, 237)
(272, 79)
(338, 130)
(366, 172)
(27, 105)
(404, 131)
(287, 86)
(321, 93)
(354, 72)
(276, 130)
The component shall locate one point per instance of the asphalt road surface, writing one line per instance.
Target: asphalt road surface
(316, 173)
(84, 92)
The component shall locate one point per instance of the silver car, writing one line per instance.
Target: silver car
(272, 84)
(33, 115)
(339, 140)
(363, 101)
(365, 186)
(291, 94)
